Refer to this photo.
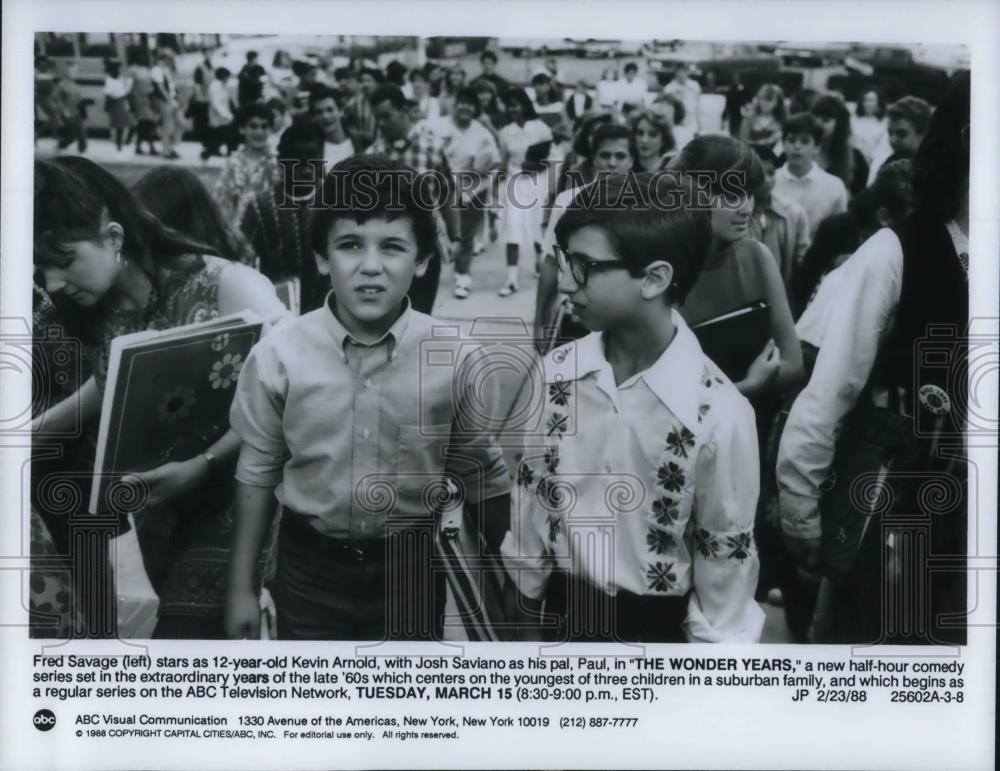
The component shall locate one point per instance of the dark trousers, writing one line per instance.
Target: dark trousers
(332, 589)
(588, 614)
(217, 136)
(470, 217)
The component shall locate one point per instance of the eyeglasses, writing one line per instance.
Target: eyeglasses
(580, 266)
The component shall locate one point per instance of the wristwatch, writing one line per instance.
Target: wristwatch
(212, 462)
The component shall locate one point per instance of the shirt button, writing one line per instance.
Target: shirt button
(366, 433)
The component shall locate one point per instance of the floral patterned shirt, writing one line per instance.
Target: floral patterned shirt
(243, 176)
(648, 487)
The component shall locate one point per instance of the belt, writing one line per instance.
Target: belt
(297, 527)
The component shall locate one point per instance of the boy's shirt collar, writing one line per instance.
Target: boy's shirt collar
(808, 176)
(394, 336)
(674, 378)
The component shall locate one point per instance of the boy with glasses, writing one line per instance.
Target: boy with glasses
(640, 488)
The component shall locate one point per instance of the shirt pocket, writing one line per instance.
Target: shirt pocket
(420, 465)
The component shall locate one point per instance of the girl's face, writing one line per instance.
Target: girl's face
(828, 124)
(484, 99)
(456, 78)
(515, 111)
(767, 103)
(86, 270)
(420, 88)
(869, 103)
(542, 88)
(648, 141)
(731, 218)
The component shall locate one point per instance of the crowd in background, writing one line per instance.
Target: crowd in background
(822, 185)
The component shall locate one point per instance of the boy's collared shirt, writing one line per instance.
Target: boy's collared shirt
(356, 437)
(648, 487)
(818, 192)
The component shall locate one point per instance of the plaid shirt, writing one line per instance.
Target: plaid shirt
(422, 150)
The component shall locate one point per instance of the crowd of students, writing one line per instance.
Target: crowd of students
(735, 480)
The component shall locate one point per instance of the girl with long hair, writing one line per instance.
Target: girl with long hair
(113, 268)
(837, 154)
(651, 140)
(763, 117)
(177, 197)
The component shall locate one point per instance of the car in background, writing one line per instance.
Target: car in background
(522, 46)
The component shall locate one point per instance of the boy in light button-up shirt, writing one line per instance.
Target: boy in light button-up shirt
(633, 507)
(352, 427)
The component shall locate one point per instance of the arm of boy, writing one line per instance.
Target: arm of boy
(869, 293)
(256, 416)
(725, 563)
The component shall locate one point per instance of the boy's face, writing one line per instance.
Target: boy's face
(257, 133)
(903, 138)
(610, 296)
(370, 266)
(800, 149)
(367, 84)
(326, 114)
(613, 156)
(731, 223)
(394, 124)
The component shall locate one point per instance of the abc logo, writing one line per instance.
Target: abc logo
(44, 720)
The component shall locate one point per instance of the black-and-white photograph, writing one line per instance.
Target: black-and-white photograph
(737, 419)
(572, 373)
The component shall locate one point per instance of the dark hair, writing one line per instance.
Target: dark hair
(389, 188)
(488, 54)
(343, 73)
(729, 160)
(630, 67)
(607, 132)
(679, 109)
(277, 103)
(541, 77)
(74, 198)
(112, 68)
(520, 96)
(252, 110)
(658, 122)
(801, 100)
(839, 152)
(177, 198)
(582, 139)
(912, 109)
(390, 93)
(644, 231)
(802, 124)
(251, 55)
(395, 72)
(320, 93)
(376, 75)
(880, 110)
(221, 73)
(418, 74)
(766, 155)
(303, 129)
(892, 189)
(468, 94)
(941, 166)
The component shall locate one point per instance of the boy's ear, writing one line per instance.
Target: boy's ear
(423, 261)
(659, 276)
(321, 264)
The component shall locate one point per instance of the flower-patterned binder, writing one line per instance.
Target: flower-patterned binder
(167, 399)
